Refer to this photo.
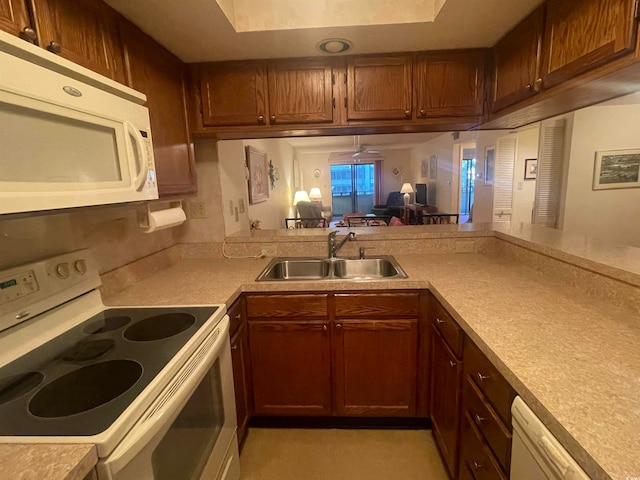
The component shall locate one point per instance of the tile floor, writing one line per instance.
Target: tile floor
(319, 454)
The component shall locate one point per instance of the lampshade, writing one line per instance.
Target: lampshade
(315, 194)
(406, 188)
(301, 196)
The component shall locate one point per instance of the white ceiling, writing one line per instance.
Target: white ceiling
(198, 30)
(348, 143)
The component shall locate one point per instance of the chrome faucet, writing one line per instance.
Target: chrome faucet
(334, 247)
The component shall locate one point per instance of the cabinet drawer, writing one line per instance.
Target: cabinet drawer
(494, 387)
(496, 435)
(235, 312)
(475, 458)
(448, 328)
(283, 306)
(369, 305)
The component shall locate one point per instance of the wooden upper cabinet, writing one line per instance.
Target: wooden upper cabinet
(14, 17)
(583, 34)
(516, 60)
(300, 91)
(379, 88)
(83, 31)
(157, 73)
(450, 84)
(233, 93)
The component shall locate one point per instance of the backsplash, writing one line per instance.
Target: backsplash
(111, 233)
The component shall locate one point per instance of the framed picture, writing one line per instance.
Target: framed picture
(424, 168)
(617, 169)
(489, 164)
(530, 168)
(258, 175)
(433, 167)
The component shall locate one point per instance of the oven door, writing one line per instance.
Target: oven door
(187, 430)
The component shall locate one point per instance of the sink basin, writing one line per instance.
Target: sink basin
(367, 268)
(292, 269)
(296, 269)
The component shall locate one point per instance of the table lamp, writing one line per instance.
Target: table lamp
(300, 196)
(406, 189)
(315, 195)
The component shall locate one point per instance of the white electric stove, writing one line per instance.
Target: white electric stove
(151, 387)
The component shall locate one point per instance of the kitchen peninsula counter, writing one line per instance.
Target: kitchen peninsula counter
(571, 357)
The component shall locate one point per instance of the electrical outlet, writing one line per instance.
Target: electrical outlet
(269, 251)
(466, 246)
(520, 185)
(241, 204)
(197, 209)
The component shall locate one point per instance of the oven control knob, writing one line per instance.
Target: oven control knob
(62, 270)
(80, 266)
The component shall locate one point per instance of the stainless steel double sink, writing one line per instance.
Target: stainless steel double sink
(297, 269)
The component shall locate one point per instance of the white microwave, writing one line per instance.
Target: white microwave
(68, 136)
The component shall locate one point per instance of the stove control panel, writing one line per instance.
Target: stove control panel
(37, 287)
(17, 286)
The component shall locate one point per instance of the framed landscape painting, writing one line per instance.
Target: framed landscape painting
(617, 169)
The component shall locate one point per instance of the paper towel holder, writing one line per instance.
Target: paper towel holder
(144, 221)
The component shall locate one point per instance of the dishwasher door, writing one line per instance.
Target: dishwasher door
(535, 453)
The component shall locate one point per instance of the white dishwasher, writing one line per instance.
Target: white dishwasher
(535, 453)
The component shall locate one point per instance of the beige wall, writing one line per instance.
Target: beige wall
(111, 233)
(610, 215)
(524, 191)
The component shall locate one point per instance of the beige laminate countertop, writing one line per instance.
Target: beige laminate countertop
(572, 358)
(46, 461)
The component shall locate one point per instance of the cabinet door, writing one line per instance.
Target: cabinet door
(161, 76)
(582, 34)
(516, 60)
(239, 360)
(14, 16)
(291, 367)
(379, 88)
(300, 92)
(446, 374)
(450, 84)
(83, 31)
(376, 367)
(233, 94)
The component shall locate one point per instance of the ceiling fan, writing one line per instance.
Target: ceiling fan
(359, 152)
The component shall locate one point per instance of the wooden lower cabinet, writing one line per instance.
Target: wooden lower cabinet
(376, 367)
(476, 460)
(241, 379)
(291, 367)
(446, 376)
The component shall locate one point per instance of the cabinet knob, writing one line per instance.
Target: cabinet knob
(407, 113)
(324, 327)
(237, 316)
(477, 465)
(54, 47)
(338, 325)
(439, 321)
(539, 83)
(452, 363)
(28, 34)
(478, 419)
(234, 348)
(260, 119)
(423, 112)
(273, 118)
(528, 86)
(481, 377)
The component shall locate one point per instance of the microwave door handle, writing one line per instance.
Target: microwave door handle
(138, 143)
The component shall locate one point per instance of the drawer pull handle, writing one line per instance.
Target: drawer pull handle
(324, 328)
(237, 317)
(478, 419)
(452, 363)
(481, 377)
(477, 465)
(438, 321)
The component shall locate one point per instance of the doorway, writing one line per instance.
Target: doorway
(467, 183)
(353, 188)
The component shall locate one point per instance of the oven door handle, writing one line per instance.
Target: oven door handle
(157, 419)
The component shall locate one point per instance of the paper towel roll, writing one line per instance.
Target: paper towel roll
(162, 219)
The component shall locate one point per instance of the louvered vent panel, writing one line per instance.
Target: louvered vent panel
(549, 178)
(503, 179)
